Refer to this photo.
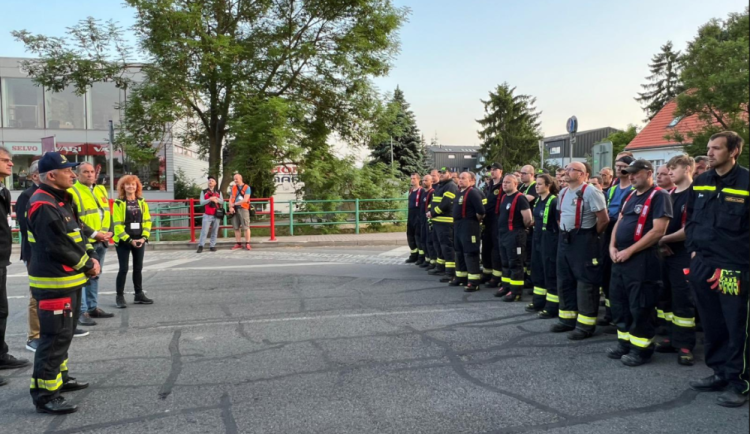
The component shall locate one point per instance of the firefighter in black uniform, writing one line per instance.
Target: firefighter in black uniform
(528, 188)
(441, 214)
(467, 218)
(676, 306)
(412, 231)
(636, 277)
(62, 261)
(514, 216)
(492, 266)
(424, 224)
(544, 254)
(435, 175)
(718, 235)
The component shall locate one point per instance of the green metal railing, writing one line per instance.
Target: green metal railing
(396, 209)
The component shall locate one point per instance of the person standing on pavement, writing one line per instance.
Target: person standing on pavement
(435, 175)
(615, 195)
(415, 193)
(492, 266)
(676, 307)
(424, 224)
(636, 277)
(544, 254)
(467, 216)
(441, 214)
(132, 229)
(662, 178)
(583, 216)
(528, 188)
(239, 208)
(513, 217)
(701, 165)
(212, 201)
(7, 361)
(62, 260)
(718, 239)
(22, 205)
(92, 204)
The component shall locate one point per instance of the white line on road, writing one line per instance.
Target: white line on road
(168, 264)
(398, 251)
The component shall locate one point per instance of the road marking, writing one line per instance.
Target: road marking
(398, 251)
(169, 264)
(322, 317)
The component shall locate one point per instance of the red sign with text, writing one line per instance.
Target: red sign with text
(82, 148)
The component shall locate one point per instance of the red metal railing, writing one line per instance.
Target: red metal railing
(191, 216)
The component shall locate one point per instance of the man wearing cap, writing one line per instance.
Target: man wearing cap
(62, 260)
(412, 234)
(583, 216)
(467, 215)
(513, 217)
(492, 266)
(718, 237)
(636, 275)
(441, 214)
(424, 224)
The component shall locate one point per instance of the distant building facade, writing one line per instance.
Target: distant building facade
(558, 147)
(458, 158)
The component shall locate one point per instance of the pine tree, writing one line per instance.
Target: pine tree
(511, 132)
(409, 154)
(665, 82)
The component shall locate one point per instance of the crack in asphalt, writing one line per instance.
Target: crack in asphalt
(174, 372)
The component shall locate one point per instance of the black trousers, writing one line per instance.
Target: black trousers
(429, 251)
(56, 324)
(579, 275)
(491, 262)
(725, 325)
(544, 272)
(124, 251)
(675, 306)
(607, 267)
(447, 255)
(4, 309)
(411, 231)
(467, 243)
(634, 290)
(512, 245)
(439, 259)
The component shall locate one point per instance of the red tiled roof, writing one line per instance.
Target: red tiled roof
(653, 135)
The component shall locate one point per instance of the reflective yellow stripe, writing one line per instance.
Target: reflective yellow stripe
(30, 237)
(737, 192)
(437, 198)
(586, 320)
(57, 282)
(497, 273)
(450, 264)
(443, 219)
(568, 314)
(462, 273)
(64, 366)
(624, 336)
(484, 201)
(82, 262)
(506, 279)
(414, 250)
(668, 316)
(449, 195)
(421, 252)
(606, 302)
(51, 385)
(683, 322)
(516, 282)
(660, 314)
(475, 276)
(704, 188)
(487, 271)
(640, 342)
(75, 236)
(438, 210)
(553, 298)
(441, 261)
(539, 291)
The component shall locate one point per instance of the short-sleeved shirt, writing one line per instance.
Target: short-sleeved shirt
(593, 202)
(679, 208)
(504, 212)
(529, 189)
(615, 201)
(661, 206)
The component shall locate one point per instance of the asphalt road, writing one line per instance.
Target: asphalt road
(347, 341)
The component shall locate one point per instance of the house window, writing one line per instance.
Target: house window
(674, 122)
(468, 157)
(23, 105)
(554, 151)
(64, 109)
(103, 103)
(451, 156)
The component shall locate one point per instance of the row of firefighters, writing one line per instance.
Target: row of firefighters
(640, 246)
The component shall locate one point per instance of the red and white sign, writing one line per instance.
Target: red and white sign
(82, 148)
(24, 148)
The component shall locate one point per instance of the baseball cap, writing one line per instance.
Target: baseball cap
(444, 169)
(496, 166)
(637, 166)
(626, 159)
(53, 161)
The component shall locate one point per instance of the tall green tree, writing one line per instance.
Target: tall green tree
(664, 82)
(399, 131)
(510, 128)
(716, 74)
(204, 57)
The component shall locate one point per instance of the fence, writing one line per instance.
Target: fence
(178, 216)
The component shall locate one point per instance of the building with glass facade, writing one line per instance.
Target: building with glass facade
(80, 125)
